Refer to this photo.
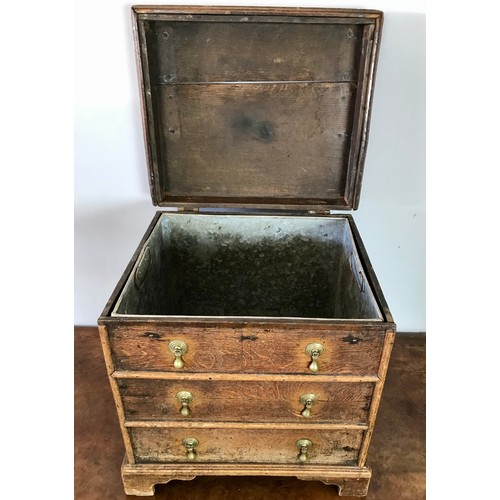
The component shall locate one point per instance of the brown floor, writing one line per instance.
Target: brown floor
(397, 452)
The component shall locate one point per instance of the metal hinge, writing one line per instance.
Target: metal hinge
(319, 212)
(188, 209)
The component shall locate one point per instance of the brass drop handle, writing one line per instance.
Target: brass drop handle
(178, 348)
(314, 351)
(307, 400)
(304, 445)
(190, 445)
(184, 397)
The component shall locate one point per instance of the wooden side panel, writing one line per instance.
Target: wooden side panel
(198, 51)
(103, 334)
(377, 395)
(240, 140)
(249, 401)
(370, 273)
(348, 349)
(156, 445)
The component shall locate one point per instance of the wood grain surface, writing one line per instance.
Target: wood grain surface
(277, 14)
(142, 479)
(197, 51)
(348, 350)
(241, 140)
(249, 401)
(153, 445)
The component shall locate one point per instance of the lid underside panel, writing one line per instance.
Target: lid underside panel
(257, 110)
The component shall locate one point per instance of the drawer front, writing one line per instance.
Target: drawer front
(246, 401)
(158, 445)
(246, 350)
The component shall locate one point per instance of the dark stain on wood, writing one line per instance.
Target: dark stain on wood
(152, 335)
(248, 337)
(266, 131)
(244, 126)
(352, 340)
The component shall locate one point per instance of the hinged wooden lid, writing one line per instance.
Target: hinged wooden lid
(256, 107)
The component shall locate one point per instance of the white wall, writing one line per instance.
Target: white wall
(112, 202)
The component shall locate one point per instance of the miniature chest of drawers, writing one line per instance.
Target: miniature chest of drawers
(248, 334)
